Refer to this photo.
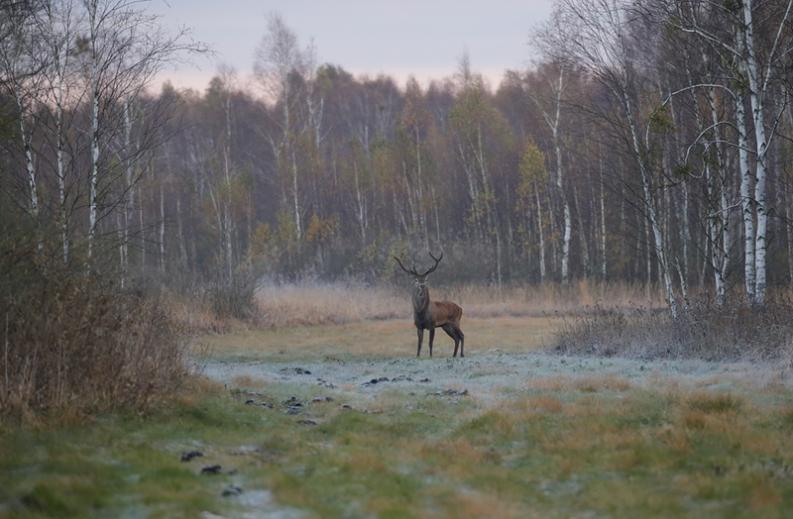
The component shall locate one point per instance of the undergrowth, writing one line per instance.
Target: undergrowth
(74, 342)
(704, 331)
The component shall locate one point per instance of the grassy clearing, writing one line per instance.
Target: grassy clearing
(578, 443)
(594, 446)
(392, 338)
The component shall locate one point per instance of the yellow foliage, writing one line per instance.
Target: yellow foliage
(532, 169)
(261, 237)
(320, 230)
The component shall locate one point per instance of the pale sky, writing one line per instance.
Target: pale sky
(424, 38)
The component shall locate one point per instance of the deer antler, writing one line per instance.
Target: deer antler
(411, 272)
(437, 262)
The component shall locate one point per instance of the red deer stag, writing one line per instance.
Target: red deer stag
(428, 315)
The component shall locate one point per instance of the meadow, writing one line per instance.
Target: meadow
(337, 418)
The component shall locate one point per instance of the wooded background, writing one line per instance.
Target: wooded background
(650, 143)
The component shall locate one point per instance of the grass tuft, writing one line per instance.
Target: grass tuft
(709, 403)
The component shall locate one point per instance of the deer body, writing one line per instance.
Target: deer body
(428, 314)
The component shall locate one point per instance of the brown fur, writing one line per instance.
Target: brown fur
(445, 312)
(428, 315)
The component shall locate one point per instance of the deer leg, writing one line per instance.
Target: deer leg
(420, 333)
(450, 332)
(432, 338)
(461, 335)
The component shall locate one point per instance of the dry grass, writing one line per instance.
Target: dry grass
(705, 331)
(327, 303)
(714, 402)
(340, 303)
(585, 384)
(382, 338)
(196, 317)
(475, 505)
(534, 300)
(245, 381)
(594, 384)
(88, 347)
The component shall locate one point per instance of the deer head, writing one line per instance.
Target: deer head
(420, 279)
(421, 293)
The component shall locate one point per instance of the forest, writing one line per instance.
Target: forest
(649, 143)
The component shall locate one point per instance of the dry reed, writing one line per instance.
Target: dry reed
(313, 303)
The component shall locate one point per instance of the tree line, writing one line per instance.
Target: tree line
(649, 143)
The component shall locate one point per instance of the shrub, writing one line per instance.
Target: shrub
(77, 343)
(234, 297)
(706, 331)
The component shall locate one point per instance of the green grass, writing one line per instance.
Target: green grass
(598, 447)
(119, 463)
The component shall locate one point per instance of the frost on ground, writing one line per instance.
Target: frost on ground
(491, 376)
(508, 432)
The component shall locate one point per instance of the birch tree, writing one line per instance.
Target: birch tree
(123, 51)
(754, 77)
(57, 27)
(21, 60)
(279, 57)
(551, 110)
(602, 44)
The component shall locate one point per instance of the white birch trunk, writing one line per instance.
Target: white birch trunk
(94, 176)
(789, 231)
(567, 217)
(409, 197)
(141, 230)
(228, 230)
(162, 228)
(180, 230)
(652, 219)
(473, 191)
(685, 232)
(554, 123)
(119, 236)
(582, 233)
(541, 234)
(61, 173)
(59, 43)
(296, 199)
(490, 210)
(714, 236)
(359, 199)
(603, 250)
(756, 95)
(128, 199)
(747, 209)
(30, 169)
(420, 190)
(437, 217)
(648, 259)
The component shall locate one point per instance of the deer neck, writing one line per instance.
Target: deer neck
(421, 303)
